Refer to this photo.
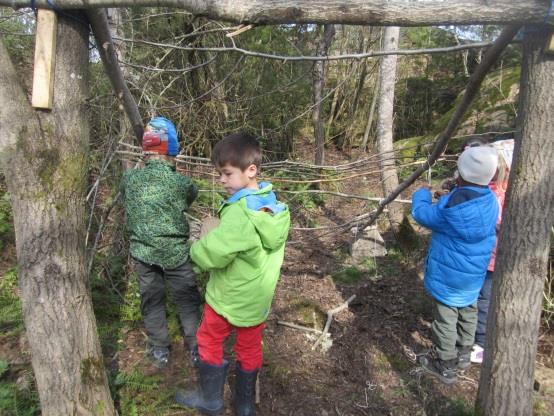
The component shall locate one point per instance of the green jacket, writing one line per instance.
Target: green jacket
(244, 255)
(155, 199)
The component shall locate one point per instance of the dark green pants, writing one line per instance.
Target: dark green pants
(453, 328)
(182, 283)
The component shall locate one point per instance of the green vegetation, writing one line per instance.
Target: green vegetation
(6, 221)
(11, 315)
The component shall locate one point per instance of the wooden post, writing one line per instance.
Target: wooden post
(550, 44)
(45, 59)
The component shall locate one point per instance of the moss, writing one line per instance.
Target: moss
(48, 161)
(92, 371)
(100, 408)
(308, 313)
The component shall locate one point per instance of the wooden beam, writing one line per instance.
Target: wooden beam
(356, 12)
(550, 45)
(45, 59)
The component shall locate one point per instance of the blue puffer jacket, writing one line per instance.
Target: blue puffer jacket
(461, 244)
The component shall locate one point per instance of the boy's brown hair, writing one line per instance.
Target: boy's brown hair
(239, 150)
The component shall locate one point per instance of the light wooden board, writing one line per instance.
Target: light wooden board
(550, 44)
(45, 59)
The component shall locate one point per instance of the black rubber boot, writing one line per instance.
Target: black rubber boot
(208, 399)
(245, 392)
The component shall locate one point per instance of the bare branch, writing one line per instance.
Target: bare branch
(372, 54)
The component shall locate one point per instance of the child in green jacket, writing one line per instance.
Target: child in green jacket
(243, 255)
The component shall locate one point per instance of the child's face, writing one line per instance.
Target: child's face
(234, 179)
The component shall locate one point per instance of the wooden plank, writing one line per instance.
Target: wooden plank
(550, 45)
(45, 59)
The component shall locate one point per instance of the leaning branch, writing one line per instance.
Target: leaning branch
(356, 12)
(471, 91)
(99, 23)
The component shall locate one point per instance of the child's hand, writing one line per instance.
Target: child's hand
(208, 224)
(440, 193)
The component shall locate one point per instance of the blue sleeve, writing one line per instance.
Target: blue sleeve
(424, 211)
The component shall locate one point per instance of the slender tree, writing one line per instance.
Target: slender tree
(506, 385)
(385, 121)
(323, 43)
(44, 159)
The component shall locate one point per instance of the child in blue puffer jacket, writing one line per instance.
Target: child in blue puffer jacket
(463, 225)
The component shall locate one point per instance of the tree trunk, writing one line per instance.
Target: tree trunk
(318, 72)
(506, 385)
(387, 78)
(356, 12)
(45, 165)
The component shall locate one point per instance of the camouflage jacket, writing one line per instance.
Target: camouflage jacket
(155, 199)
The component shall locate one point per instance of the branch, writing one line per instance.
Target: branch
(357, 12)
(357, 56)
(330, 314)
(99, 23)
(299, 327)
(471, 91)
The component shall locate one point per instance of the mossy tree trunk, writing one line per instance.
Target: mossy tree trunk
(385, 122)
(44, 159)
(506, 385)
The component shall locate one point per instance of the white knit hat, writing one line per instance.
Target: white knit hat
(478, 164)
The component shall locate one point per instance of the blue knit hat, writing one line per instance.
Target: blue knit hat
(160, 136)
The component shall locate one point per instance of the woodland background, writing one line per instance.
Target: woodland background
(209, 93)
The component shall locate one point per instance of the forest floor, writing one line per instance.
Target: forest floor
(367, 365)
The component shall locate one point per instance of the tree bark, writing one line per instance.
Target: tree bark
(318, 73)
(506, 385)
(385, 121)
(44, 159)
(362, 12)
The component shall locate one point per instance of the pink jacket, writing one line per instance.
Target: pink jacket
(500, 191)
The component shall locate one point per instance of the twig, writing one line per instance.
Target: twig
(299, 327)
(240, 30)
(330, 314)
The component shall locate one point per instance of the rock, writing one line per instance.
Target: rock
(368, 243)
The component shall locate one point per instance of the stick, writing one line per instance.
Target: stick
(299, 327)
(330, 314)
(241, 29)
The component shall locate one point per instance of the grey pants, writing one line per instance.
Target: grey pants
(453, 328)
(182, 283)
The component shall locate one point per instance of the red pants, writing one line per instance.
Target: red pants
(213, 331)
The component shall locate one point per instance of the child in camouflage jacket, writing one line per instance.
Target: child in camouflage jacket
(156, 198)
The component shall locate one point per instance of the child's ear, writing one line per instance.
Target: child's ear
(252, 171)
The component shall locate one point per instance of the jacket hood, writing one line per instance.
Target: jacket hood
(270, 217)
(468, 219)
